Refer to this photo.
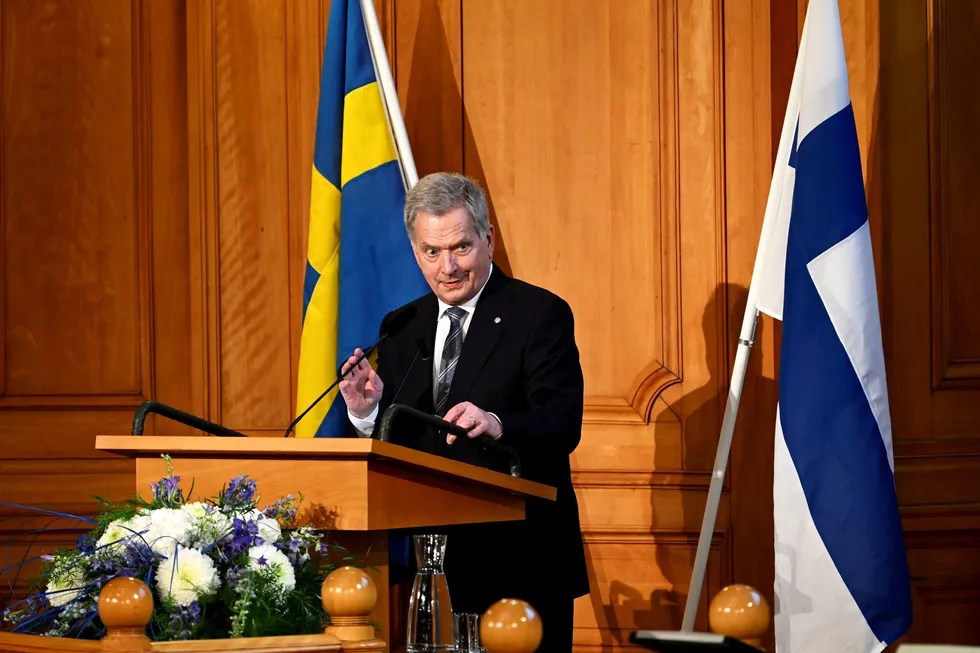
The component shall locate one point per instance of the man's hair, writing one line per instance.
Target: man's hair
(442, 192)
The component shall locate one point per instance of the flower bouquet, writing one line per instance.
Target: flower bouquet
(217, 568)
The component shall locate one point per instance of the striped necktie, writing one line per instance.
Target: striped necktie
(450, 356)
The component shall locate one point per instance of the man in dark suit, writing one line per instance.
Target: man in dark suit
(503, 363)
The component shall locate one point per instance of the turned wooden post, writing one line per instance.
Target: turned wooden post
(739, 611)
(511, 626)
(349, 596)
(125, 607)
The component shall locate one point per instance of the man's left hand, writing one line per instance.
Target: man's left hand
(479, 422)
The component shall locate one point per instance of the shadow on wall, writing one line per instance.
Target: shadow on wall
(435, 108)
(681, 500)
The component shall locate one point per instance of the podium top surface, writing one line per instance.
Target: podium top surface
(145, 446)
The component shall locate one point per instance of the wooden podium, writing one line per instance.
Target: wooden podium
(358, 489)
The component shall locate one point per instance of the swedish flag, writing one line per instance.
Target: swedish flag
(359, 262)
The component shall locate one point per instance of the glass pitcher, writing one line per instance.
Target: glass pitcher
(430, 613)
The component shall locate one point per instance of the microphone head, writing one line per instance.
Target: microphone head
(398, 321)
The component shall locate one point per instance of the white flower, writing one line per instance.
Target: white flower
(186, 575)
(209, 528)
(169, 528)
(196, 510)
(268, 556)
(269, 529)
(66, 585)
(120, 533)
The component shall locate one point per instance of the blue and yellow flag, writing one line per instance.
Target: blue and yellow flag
(359, 263)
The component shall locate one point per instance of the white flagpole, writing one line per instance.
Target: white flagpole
(746, 340)
(389, 96)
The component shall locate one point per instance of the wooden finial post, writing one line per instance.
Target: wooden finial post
(125, 607)
(740, 611)
(511, 626)
(349, 596)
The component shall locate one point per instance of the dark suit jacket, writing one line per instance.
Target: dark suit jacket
(525, 368)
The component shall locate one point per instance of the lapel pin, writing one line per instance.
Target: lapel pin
(496, 320)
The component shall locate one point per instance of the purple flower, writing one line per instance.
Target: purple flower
(243, 535)
(86, 544)
(138, 555)
(183, 621)
(101, 564)
(294, 550)
(166, 492)
(232, 576)
(241, 491)
(283, 510)
(262, 561)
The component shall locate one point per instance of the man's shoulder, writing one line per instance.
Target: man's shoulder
(525, 292)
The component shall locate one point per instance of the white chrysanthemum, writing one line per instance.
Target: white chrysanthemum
(66, 586)
(269, 529)
(187, 575)
(169, 528)
(196, 510)
(273, 559)
(120, 533)
(209, 526)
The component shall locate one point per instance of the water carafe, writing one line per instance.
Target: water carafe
(430, 613)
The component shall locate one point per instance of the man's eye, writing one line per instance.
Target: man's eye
(430, 252)
(463, 248)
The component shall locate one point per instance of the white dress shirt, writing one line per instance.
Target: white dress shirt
(366, 426)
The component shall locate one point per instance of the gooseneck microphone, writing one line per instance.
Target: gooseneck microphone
(421, 350)
(391, 328)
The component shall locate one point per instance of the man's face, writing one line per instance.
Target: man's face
(452, 257)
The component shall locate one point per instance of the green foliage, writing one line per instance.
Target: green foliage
(217, 568)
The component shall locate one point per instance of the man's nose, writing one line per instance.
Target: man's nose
(449, 263)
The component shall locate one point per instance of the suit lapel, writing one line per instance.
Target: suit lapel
(481, 336)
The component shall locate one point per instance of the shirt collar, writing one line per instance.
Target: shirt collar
(470, 305)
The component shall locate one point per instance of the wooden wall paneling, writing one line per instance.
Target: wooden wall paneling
(627, 151)
(82, 233)
(953, 105)
(253, 214)
(427, 66)
(905, 307)
(634, 584)
(760, 53)
(258, 70)
(20, 582)
(165, 103)
(202, 206)
(306, 25)
(76, 313)
(946, 584)
(552, 152)
(71, 207)
(700, 169)
(598, 135)
(934, 417)
(702, 258)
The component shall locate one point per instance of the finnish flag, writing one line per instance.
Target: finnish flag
(842, 580)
